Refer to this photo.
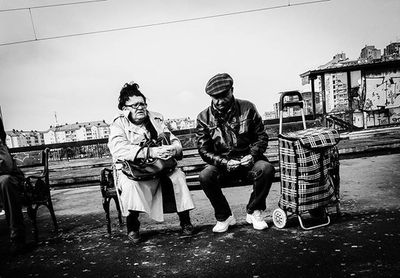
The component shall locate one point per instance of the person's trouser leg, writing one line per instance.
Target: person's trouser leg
(262, 175)
(132, 221)
(11, 199)
(184, 218)
(209, 181)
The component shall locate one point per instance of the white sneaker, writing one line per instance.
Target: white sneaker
(2, 212)
(223, 226)
(257, 220)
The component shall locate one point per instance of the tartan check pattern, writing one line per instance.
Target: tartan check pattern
(307, 159)
(315, 137)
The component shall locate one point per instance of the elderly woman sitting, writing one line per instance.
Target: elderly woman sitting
(129, 131)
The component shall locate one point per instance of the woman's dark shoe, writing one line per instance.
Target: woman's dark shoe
(134, 236)
(187, 229)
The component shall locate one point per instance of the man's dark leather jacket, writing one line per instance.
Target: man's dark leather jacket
(241, 134)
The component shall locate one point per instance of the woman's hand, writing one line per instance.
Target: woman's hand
(163, 152)
(171, 150)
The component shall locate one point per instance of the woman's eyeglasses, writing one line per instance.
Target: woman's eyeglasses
(137, 105)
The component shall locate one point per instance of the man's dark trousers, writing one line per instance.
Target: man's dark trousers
(261, 175)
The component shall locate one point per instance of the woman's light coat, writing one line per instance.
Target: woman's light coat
(146, 196)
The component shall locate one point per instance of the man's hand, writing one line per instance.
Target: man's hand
(232, 165)
(247, 161)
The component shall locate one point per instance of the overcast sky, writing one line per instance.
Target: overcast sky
(79, 77)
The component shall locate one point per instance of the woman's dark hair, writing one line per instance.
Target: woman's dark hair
(129, 90)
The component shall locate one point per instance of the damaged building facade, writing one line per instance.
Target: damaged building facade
(362, 93)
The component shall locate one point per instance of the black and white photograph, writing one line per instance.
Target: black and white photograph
(182, 138)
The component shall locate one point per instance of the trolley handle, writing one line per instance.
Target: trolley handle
(283, 104)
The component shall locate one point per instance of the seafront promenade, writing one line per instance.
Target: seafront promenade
(364, 242)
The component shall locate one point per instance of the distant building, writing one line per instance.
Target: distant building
(370, 53)
(289, 111)
(21, 138)
(340, 57)
(307, 98)
(339, 60)
(180, 123)
(58, 134)
(392, 50)
(362, 94)
(77, 132)
(295, 111)
(336, 92)
(270, 115)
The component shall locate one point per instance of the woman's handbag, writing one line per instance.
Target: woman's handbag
(147, 168)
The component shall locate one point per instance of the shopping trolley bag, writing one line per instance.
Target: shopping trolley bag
(309, 168)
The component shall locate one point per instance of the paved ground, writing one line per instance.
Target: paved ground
(364, 242)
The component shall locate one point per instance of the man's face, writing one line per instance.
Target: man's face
(222, 103)
(137, 107)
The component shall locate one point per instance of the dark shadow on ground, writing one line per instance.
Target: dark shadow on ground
(364, 243)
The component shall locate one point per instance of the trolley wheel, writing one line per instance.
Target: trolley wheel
(279, 218)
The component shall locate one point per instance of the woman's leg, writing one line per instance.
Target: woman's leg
(133, 225)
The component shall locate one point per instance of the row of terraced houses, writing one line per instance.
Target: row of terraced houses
(59, 134)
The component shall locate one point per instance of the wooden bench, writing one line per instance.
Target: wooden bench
(36, 186)
(191, 165)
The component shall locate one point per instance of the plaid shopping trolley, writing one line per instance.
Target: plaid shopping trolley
(309, 168)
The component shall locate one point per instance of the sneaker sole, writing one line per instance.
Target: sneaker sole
(260, 229)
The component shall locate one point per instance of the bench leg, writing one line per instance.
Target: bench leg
(106, 207)
(119, 210)
(53, 215)
(32, 213)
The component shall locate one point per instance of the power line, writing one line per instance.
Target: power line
(167, 22)
(50, 6)
(33, 25)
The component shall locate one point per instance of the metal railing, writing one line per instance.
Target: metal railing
(97, 148)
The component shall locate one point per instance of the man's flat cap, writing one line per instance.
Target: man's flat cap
(219, 84)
